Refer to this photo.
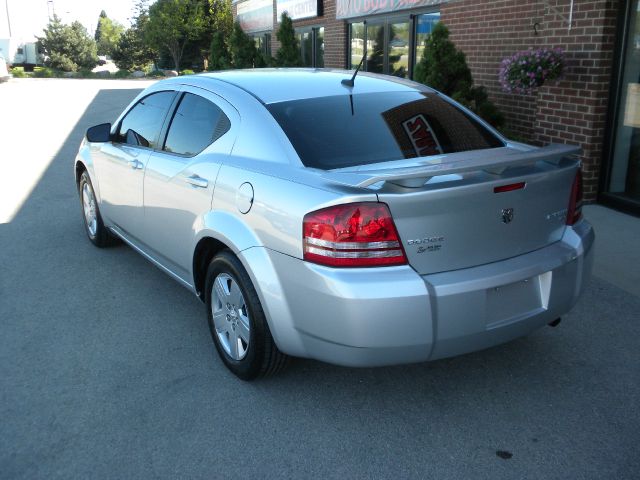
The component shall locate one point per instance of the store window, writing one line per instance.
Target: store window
(311, 40)
(623, 176)
(393, 44)
(263, 43)
(424, 26)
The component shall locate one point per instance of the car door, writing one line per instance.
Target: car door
(180, 177)
(120, 163)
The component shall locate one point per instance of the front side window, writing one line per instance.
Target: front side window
(196, 124)
(142, 124)
(348, 130)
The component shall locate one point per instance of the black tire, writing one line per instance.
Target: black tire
(97, 232)
(261, 356)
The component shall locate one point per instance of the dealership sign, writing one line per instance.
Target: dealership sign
(359, 8)
(255, 15)
(299, 9)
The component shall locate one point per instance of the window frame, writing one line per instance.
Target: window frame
(116, 133)
(265, 38)
(313, 30)
(385, 20)
(164, 133)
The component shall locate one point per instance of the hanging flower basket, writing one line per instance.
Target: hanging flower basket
(526, 71)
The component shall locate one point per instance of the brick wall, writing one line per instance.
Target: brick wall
(572, 111)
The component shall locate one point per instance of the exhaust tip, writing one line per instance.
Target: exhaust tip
(555, 323)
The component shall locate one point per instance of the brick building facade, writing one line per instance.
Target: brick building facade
(578, 109)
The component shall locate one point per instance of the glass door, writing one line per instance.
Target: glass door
(399, 49)
(624, 175)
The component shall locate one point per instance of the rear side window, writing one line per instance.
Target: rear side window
(349, 130)
(196, 124)
(141, 125)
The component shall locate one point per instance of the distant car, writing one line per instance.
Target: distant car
(4, 73)
(102, 60)
(364, 224)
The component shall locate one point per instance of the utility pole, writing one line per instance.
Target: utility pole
(6, 5)
(51, 9)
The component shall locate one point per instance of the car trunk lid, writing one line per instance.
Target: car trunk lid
(474, 208)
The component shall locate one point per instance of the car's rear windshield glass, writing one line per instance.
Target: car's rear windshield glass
(348, 130)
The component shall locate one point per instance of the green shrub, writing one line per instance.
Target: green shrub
(187, 72)
(84, 73)
(18, 72)
(122, 74)
(445, 68)
(46, 72)
(156, 74)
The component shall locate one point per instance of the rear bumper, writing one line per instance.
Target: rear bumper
(386, 316)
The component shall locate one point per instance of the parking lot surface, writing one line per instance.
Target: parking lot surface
(107, 369)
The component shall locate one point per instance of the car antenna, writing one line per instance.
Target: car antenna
(351, 82)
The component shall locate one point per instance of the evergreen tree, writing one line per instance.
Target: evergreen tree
(217, 17)
(107, 34)
(289, 54)
(131, 51)
(243, 48)
(96, 36)
(445, 68)
(68, 47)
(219, 58)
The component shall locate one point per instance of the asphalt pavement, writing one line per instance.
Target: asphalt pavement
(107, 369)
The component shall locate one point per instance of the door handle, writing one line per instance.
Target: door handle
(197, 181)
(135, 164)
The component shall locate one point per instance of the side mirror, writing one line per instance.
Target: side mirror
(99, 133)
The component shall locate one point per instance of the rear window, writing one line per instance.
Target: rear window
(348, 130)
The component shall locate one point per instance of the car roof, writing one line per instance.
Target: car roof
(272, 85)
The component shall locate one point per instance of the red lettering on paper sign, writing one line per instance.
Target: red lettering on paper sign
(422, 138)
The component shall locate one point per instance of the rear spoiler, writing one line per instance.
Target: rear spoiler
(494, 161)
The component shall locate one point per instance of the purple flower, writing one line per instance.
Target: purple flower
(527, 70)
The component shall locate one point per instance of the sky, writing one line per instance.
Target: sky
(29, 17)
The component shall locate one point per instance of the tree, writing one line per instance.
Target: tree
(107, 34)
(242, 47)
(288, 55)
(172, 24)
(445, 68)
(217, 18)
(96, 36)
(219, 56)
(68, 47)
(131, 51)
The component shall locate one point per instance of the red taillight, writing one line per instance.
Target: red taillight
(574, 212)
(352, 235)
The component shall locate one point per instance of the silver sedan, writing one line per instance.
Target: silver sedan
(359, 221)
